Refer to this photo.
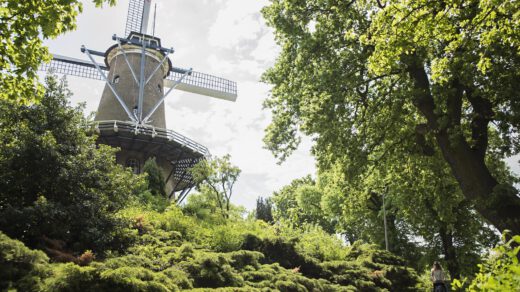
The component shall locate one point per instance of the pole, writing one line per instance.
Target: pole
(384, 219)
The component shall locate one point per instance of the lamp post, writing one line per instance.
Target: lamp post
(384, 219)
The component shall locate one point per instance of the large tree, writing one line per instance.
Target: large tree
(422, 200)
(57, 187)
(406, 75)
(24, 26)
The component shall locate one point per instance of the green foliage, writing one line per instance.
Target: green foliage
(23, 25)
(264, 210)
(217, 177)
(422, 201)
(500, 271)
(55, 183)
(154, 178)
(316, 243)
(152, 194)
(348, 76)
(204, 206)
(21, 268)
(172, 251)
(300, 203)
(374, 82)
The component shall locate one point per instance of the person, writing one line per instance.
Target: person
(437, 276)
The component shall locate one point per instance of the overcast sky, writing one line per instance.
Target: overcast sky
(226, 38)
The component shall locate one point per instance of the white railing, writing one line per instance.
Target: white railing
(151, 131)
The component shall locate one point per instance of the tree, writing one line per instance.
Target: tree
(300, 203)
(422, 201)
(57, 186)
(408, 76)
(217, 176)
(264, 210)
(23, 25)
(154, 178)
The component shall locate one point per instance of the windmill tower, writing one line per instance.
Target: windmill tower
(138, 76)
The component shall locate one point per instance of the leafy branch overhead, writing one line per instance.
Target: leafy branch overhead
(24, 26)
(372, 81)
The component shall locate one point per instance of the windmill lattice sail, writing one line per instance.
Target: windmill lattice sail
(137, 18)
(195, 82)
(73, 67)
(203, 84)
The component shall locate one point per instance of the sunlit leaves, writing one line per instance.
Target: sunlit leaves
(218, 177)
(24, 26)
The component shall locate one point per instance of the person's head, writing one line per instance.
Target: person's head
(437, 266)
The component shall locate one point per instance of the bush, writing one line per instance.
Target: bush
(500, 271)
(212, 270)
(169, 254)
(316, 243)
(20, 267)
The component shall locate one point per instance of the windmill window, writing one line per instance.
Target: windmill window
(116, 79)
(133, 164)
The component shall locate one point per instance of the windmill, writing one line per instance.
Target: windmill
(138, 76)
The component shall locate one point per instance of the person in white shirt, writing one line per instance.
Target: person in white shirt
(437, 276)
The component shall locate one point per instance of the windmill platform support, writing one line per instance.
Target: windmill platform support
(174, 153)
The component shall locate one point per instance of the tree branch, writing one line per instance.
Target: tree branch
(482, 114)
(423, 97)
(454, 103)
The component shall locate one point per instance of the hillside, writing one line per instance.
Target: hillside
(170, 251)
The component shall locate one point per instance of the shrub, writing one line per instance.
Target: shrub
(154, 178)
(20, 267)
(500, 271)
(316, 243)
(212, 270)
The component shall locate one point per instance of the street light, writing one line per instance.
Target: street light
(384, 219)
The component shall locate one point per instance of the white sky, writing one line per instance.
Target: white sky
(226, 38)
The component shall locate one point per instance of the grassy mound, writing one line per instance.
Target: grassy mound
(172, 252)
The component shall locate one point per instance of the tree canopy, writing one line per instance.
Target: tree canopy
(24, 26)
(373, 81)
(55, 182)
(217, 176)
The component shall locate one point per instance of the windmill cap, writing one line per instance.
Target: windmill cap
(154, 52)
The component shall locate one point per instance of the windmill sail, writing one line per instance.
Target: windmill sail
(137, 18)
(204, 84)
(74, 67)
(196, 82)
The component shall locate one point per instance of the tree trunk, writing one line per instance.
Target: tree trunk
(499, 204)
(449, 252)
